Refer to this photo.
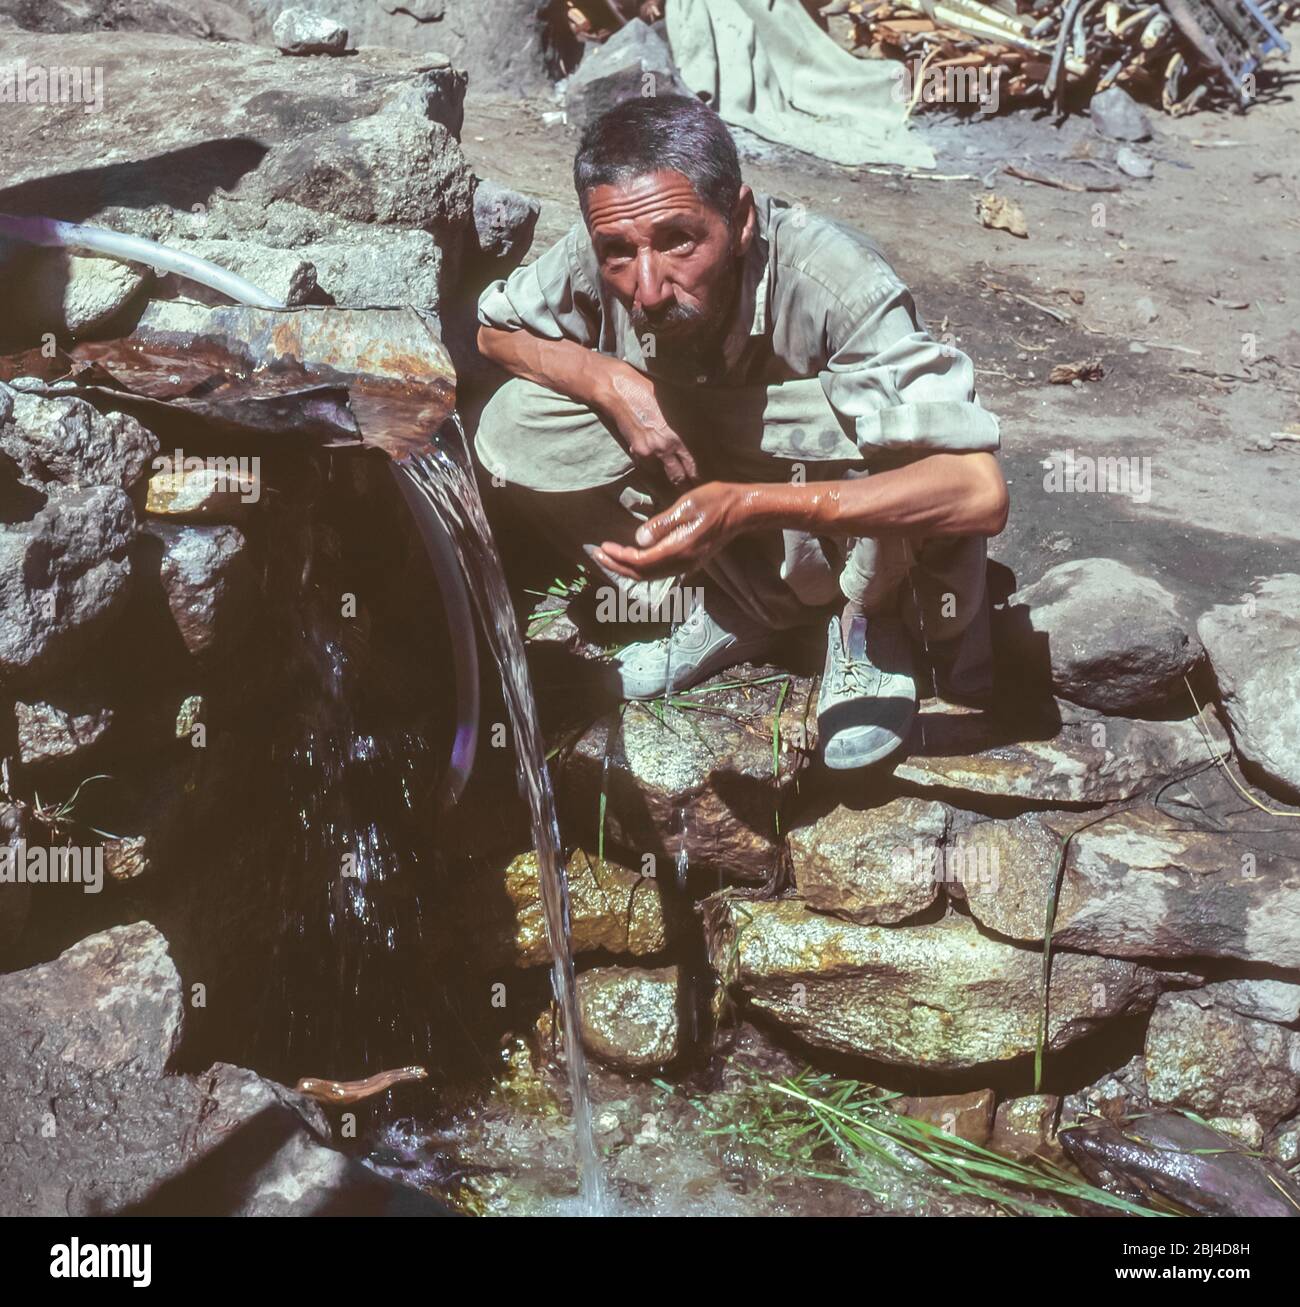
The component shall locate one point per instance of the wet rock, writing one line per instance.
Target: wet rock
(64, 443)
(1115, 113)
(98, 1127)
(1243, 1129)
(1254, 649)
(1135, 885)
(1115, 638)
(392, 168)
(629, 1016)
(635, 58)
(15, 896)
(48, 732)
(304, 31)
(1115, 1095)
(1217, 1063)
(1075, 756)
(611, 909)
(208, 581)
(873, 864)
(968, 1116)
(111, 1003)
(942, 995)
(503, 222)
(1025, 1128)
(203, 494)
(127, 857)
(72, 294)
(1283, 1143)
(1185, 1161)
(701, 777)
(63, 577)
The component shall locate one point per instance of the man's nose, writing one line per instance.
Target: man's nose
(652, 287)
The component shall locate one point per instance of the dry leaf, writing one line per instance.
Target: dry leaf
(1087, 370)
(1002, 213)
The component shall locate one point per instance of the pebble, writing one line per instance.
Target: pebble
(1134, 163)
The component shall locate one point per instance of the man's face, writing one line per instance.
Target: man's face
(669, 258)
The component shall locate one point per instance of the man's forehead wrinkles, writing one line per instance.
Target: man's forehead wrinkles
(660, 203)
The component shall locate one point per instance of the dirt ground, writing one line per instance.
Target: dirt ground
(1220, 220)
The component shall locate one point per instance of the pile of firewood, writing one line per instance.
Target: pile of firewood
(1173, 52)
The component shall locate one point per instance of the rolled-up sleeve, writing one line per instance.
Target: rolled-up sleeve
(553, 297)
(902, 391)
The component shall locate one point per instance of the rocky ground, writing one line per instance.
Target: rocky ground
(173, 651)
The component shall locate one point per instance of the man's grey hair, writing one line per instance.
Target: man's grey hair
(656, 134)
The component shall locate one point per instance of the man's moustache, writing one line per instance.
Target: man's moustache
(679, 315)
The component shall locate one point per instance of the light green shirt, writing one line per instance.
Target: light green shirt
(817, 300)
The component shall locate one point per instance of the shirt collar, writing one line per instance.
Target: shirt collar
(751, 304)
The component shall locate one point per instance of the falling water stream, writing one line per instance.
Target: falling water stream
(446, 486)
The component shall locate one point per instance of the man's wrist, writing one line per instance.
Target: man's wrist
(606, 397)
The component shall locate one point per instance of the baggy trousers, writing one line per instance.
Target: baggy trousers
(571, 473)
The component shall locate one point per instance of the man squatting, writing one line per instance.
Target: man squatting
(709, 383)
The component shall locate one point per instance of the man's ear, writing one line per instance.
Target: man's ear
(744, 222)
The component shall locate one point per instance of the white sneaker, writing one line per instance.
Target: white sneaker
(868, 693)
(699, 646)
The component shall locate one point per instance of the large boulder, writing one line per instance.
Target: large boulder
(94, 1125)
(394, 168)
(1115, 638)
(1211, 1060)
(63, 443)
(941, 996)
(64, 575)
(1254, 649)
(1136, 885)
(186, 118)
(634, 62)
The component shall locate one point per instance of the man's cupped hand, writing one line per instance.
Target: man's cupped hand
(679, 539)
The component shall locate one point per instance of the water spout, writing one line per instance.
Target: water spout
(50, 232)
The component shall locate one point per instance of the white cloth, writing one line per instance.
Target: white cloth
(767, 67)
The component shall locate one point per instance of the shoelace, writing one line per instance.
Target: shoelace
(855, 676)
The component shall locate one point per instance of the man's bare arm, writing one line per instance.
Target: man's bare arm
(940, 495)
(608, 386)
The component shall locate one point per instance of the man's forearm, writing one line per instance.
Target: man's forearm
(940, 495)
(560, 365)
